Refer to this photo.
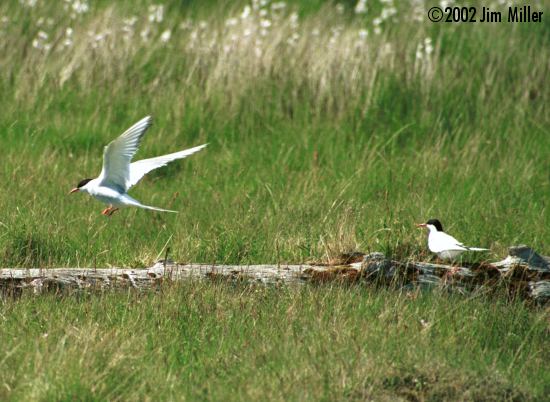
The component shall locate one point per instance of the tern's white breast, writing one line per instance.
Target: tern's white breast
(106, 195)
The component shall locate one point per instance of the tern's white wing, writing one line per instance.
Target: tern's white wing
(118, 154)
(141, 168)
(441, 241)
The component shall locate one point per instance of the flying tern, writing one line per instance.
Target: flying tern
(119, 173)
(445, 246)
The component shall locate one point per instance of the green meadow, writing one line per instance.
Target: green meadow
(330, 130)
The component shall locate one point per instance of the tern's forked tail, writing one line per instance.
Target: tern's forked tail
(135, 203)
(156, 209)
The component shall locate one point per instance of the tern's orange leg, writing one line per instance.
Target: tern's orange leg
(107, 211)
(112, 211)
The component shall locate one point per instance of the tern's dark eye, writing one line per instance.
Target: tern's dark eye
(82, 183)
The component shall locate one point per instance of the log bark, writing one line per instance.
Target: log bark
(523, 272)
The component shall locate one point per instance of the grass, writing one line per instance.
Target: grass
(328, 132)
(218, 341)
(316, 147)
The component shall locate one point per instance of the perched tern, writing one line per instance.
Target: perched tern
(119, 174)
(445, 246)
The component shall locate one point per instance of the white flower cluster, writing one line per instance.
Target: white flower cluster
(261, 29)
(361, 7)
(28, 3)
(41, 41)
(156, 13)
(76, 7)
(388, 11)
(423, 57)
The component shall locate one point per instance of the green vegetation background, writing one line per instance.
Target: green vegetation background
(328, 131)
(315, 148)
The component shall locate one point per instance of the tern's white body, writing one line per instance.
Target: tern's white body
(119, 174)
(110, 196)
(446, 246)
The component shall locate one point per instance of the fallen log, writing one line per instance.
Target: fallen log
(523, 272)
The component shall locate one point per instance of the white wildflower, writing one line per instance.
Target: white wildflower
(68, 40)
(203, 25)
(386, 49)
(98, 38)
(28, 3)
(165, 36)
(231, 22)
(263, 13)
(265, 23)
(293, 39)
(361, 7)
(156, 13)
(246, 12)
(363, 34)
(428, 47)
(417, 11)
(187, 24)
(40, 41)
(419, 53)
(80, 6)
(130, 22)
(388, 12)
(293, 19)
(144, 34)
(279, 5)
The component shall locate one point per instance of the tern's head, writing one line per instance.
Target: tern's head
(81, 185)
(433, 225)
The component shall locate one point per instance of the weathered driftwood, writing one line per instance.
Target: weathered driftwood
(523, 272)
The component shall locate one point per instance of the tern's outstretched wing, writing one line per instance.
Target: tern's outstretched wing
(141, 168)
(118, 154)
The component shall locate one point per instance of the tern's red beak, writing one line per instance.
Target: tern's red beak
(421, 225)
(74, 190)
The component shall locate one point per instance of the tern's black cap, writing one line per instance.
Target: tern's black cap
(436, 223)
(82, 183)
